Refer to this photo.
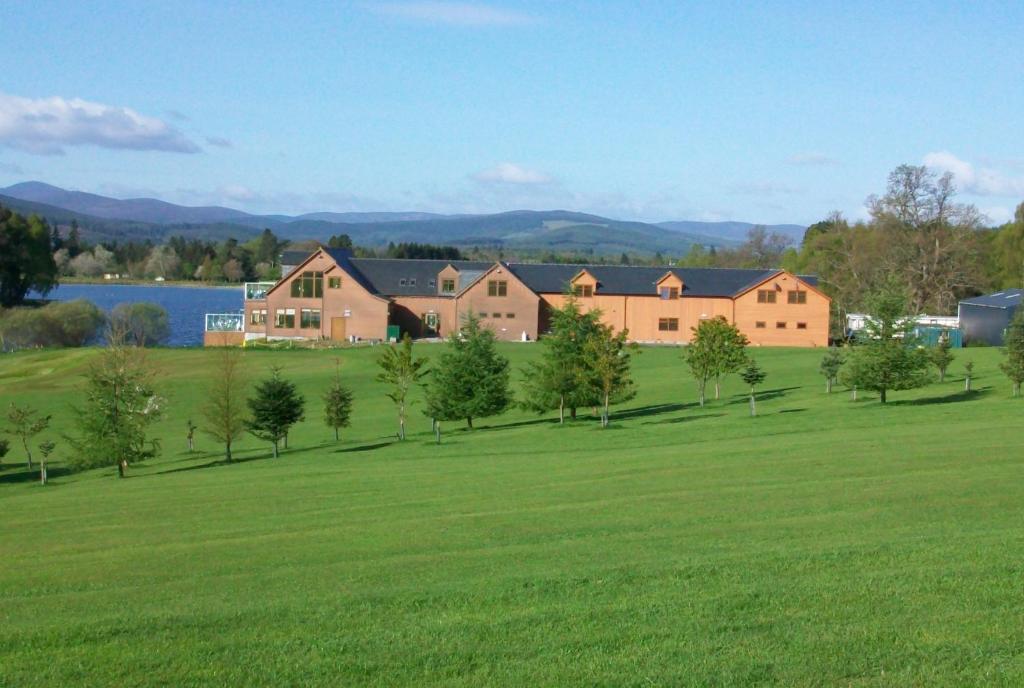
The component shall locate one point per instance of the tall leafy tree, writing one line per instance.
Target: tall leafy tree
(120, 405)
(470, 379)
(830, 367)
(400, 370)
(24, 422)
(608, 356)
(1013, 366)
(337, 403)
(26, 257)
(274, 408)
(561, 379)
(887, 357)
(717, 349)
(224, 409)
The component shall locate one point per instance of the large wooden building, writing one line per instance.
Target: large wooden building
(332, 295)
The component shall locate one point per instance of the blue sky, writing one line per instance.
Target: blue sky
(651, 111)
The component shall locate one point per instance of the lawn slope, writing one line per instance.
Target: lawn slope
(825, 542)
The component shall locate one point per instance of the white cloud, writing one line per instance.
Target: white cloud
(219, 141)
(456, 13)
(45, 126)
(981, 181)
(811, 159)
(510, 173)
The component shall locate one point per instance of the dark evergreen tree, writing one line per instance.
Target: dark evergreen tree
(470, 379)
(942, 356)
(275, 408)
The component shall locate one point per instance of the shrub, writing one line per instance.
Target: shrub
(57, 324)
(141, 324)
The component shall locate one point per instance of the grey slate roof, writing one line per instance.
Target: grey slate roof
(634, 280)
(385, 275)
(1008, 298)
(293, 258)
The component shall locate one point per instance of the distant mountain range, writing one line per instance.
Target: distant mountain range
(104, 219)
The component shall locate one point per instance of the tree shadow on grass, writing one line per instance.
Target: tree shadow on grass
(366, 447)
(651, 410)
(683, 419)
(217, 462)
(954, 398)
(509, 426)
(762, 395)
(13, 476)
(792, 410)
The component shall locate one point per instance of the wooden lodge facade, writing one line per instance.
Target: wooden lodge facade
(333, 295)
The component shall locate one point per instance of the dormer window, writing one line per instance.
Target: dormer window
(448, 286)
(583, 290)
(669, 293)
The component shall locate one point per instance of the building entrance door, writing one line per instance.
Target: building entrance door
(338, 329)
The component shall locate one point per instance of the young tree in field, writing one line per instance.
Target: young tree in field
(830, 366)
(191, 428)
(968, 372)
(888, 359)
(752, 375)
(337, 403)
(400, 370)
(120, 404)
(608, 355)
(942, 356)
(224, 410)
(275, 408)
(470, 379)
(717, 349)
(45, 449)
(1013, 366)
(24, 422)
(559, 379)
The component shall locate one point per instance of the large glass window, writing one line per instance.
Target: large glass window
(309, 319)
(284, 317)
(497, 288)
(308, 285)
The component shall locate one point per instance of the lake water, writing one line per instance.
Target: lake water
(186, 306)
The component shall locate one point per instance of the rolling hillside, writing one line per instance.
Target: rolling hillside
(107, 219)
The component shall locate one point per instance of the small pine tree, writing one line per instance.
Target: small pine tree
(609, 356)
(400, 370)
(1013, 366)
(831, 364)
(558, 380)
(888, 358)
(275, 408)
(337, 403)
(25, 423)
(470, 379)
(717, 349)
(752, 375)
(942, 356)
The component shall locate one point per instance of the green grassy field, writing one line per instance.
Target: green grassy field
(826, 542)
